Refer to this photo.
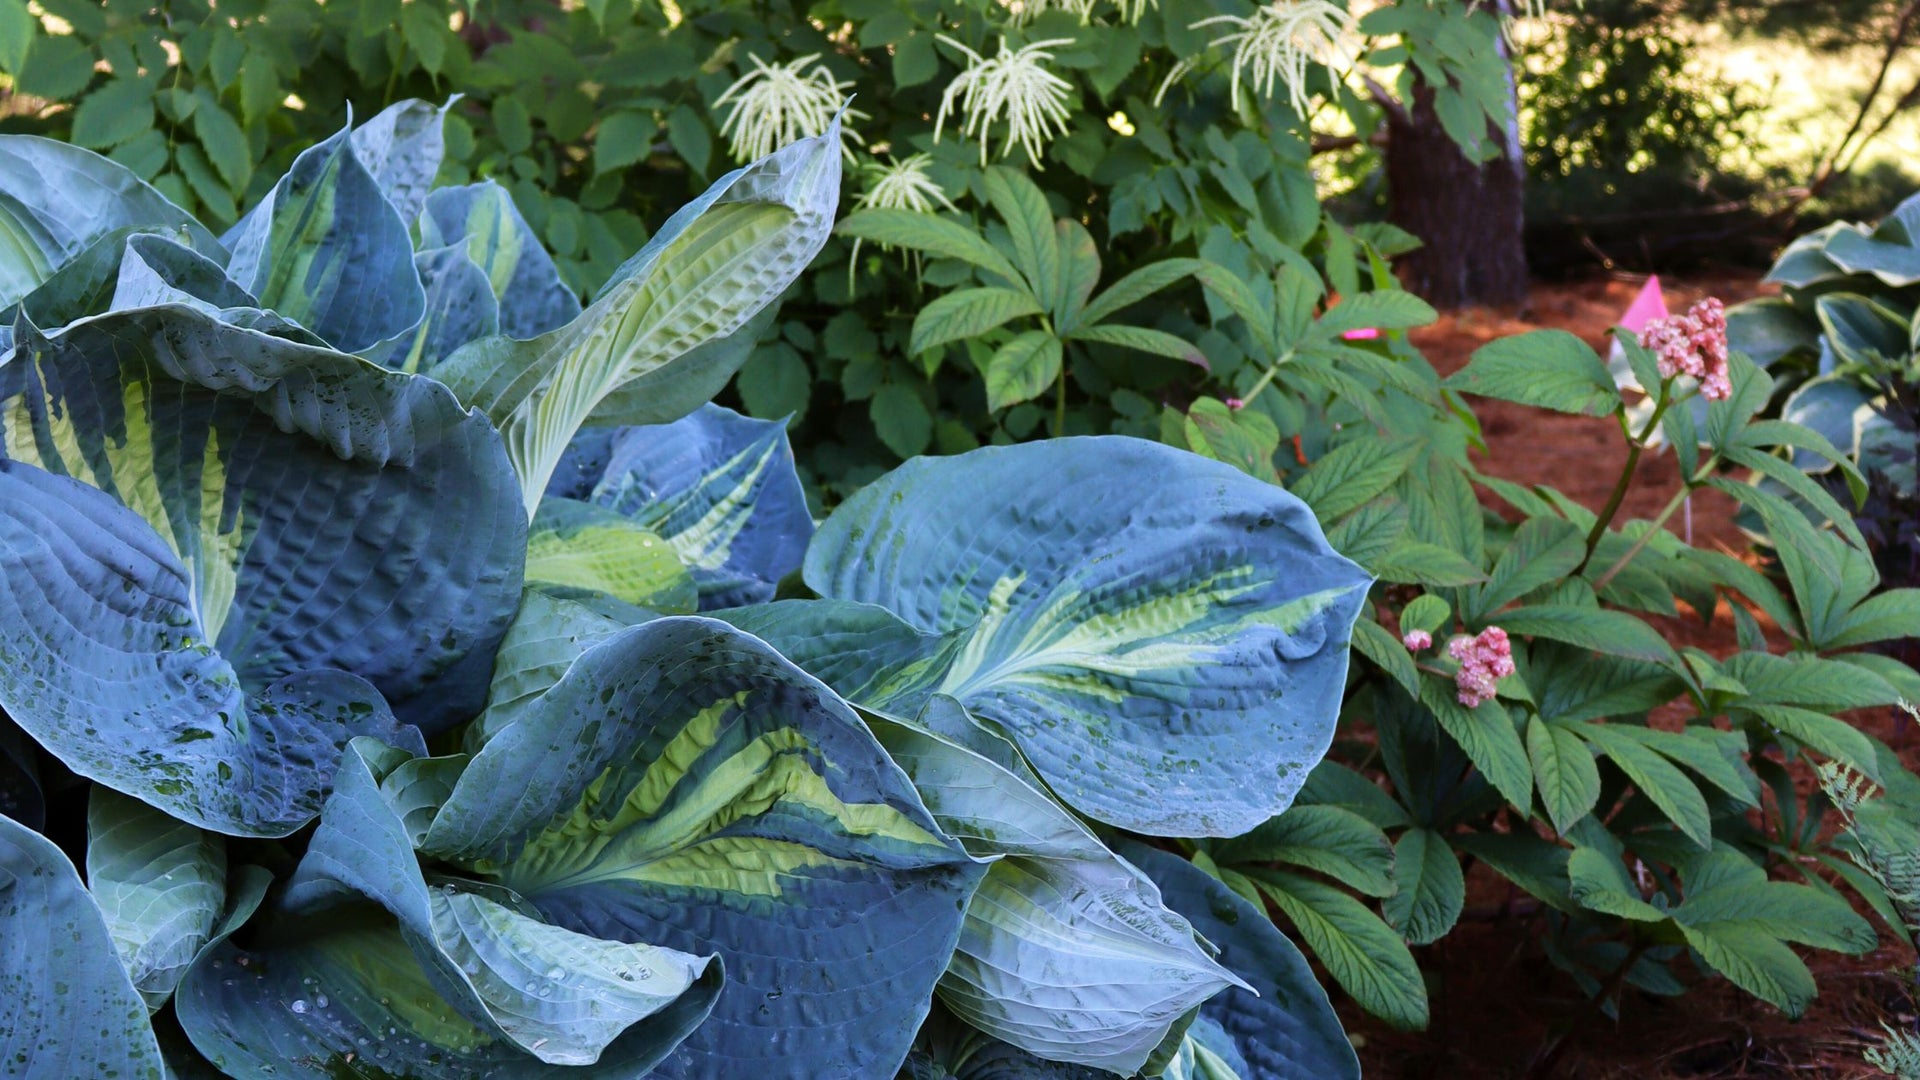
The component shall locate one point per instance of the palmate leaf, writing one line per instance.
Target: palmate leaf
(518, 992)
(673, 324)
(326, 249)
(1163, 636)
(67, 1008)
(719, 488)
(1067, 952)
(681, 785)
(218, 561)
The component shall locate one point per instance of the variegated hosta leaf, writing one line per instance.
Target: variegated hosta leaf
(660, 339)
(685, 786)
(480, 222)
(717, 486)
(58, 201)
(1067, 951)
(1163, 636)
(222, 554)
(546, 637)
(161, 885)
(460, 307)
(401, 148)
(579, 545)
(1289, 1029)
(67, 1008)
(154, 270)
(326, 249)
(521, 991)
(1207, 1052)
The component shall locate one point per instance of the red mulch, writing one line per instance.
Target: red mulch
(1496, 999)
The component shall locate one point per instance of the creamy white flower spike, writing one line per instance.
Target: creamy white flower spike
(1015, 85)
(901, 184)
(1279, 43)
(776, 104)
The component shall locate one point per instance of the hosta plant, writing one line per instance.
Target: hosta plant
(404, 627)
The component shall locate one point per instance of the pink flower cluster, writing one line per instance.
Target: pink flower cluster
(1693, 344)
(1417, 640)
(1484, 660)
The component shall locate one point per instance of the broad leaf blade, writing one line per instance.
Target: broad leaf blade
(160, 884)
(481, 221)
(1042, 582)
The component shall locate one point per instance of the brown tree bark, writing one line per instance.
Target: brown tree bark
(1470, 214)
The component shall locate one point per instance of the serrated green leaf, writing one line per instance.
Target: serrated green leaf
(900, 419)
(1022, 369)
(1564, 771)
(1676, 796)
(1430, 889)
(1327, 839)
(968, 313)
(1363, 954)
(1550, 369)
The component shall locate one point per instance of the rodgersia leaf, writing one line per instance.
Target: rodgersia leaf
(67, 1008)
(682, 785)
(326, 249)
(1067, 951)
(517, 993)
(1164, 637)
(718, 487)
(674, 323)
(222, 554)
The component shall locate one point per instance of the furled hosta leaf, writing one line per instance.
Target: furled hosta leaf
(653, 332)
(155, 270)
(684, 786)
(401, 148)
(718, 487)
(1289, 1029)
(562, 997)
(222, 554)
(459, 307)
(160, 884)
(583, 546)
(1164, 637)
(1067, 951)
(481, 222)
(67, 1008)
(326, 249)
(57, 201)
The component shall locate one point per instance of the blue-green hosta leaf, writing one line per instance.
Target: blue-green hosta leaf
(460, 306)
(401, 148)
(720, 488)
(1067, 951)
(222, 554)
(160, 884)
(583, 546)
(1289, 1029)
(653, 337)
(57, 201)
(562, 997)
(480, 221)
(342, 994)
(865, 652)
(67, 1008)
(684, 786)
(1163, 636)
(155, 270)
(326, 249)
(546, 637)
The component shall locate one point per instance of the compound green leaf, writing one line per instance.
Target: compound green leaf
(1549, 369)
(1163, 636)
(1361, 952)
(221, 556)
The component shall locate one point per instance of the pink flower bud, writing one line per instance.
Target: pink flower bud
(1236, 404)
(1417, 640)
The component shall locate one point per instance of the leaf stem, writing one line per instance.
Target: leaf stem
(1266, 379)
(1636, 445)
(1673, 505)
(1060, 402)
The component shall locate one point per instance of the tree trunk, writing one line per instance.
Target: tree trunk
(1470, 215)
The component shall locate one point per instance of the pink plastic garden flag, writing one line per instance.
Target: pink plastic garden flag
(1651, 304)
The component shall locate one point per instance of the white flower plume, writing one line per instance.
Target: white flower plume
(902, 185)
(1015, 84)
(776, 104)
(1279, 43)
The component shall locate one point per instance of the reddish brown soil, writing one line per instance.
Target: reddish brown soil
(1496, 1000)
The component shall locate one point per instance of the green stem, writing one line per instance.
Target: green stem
(1266, 380)
(1636, 445)
(1060, 403)
(1673, 506)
